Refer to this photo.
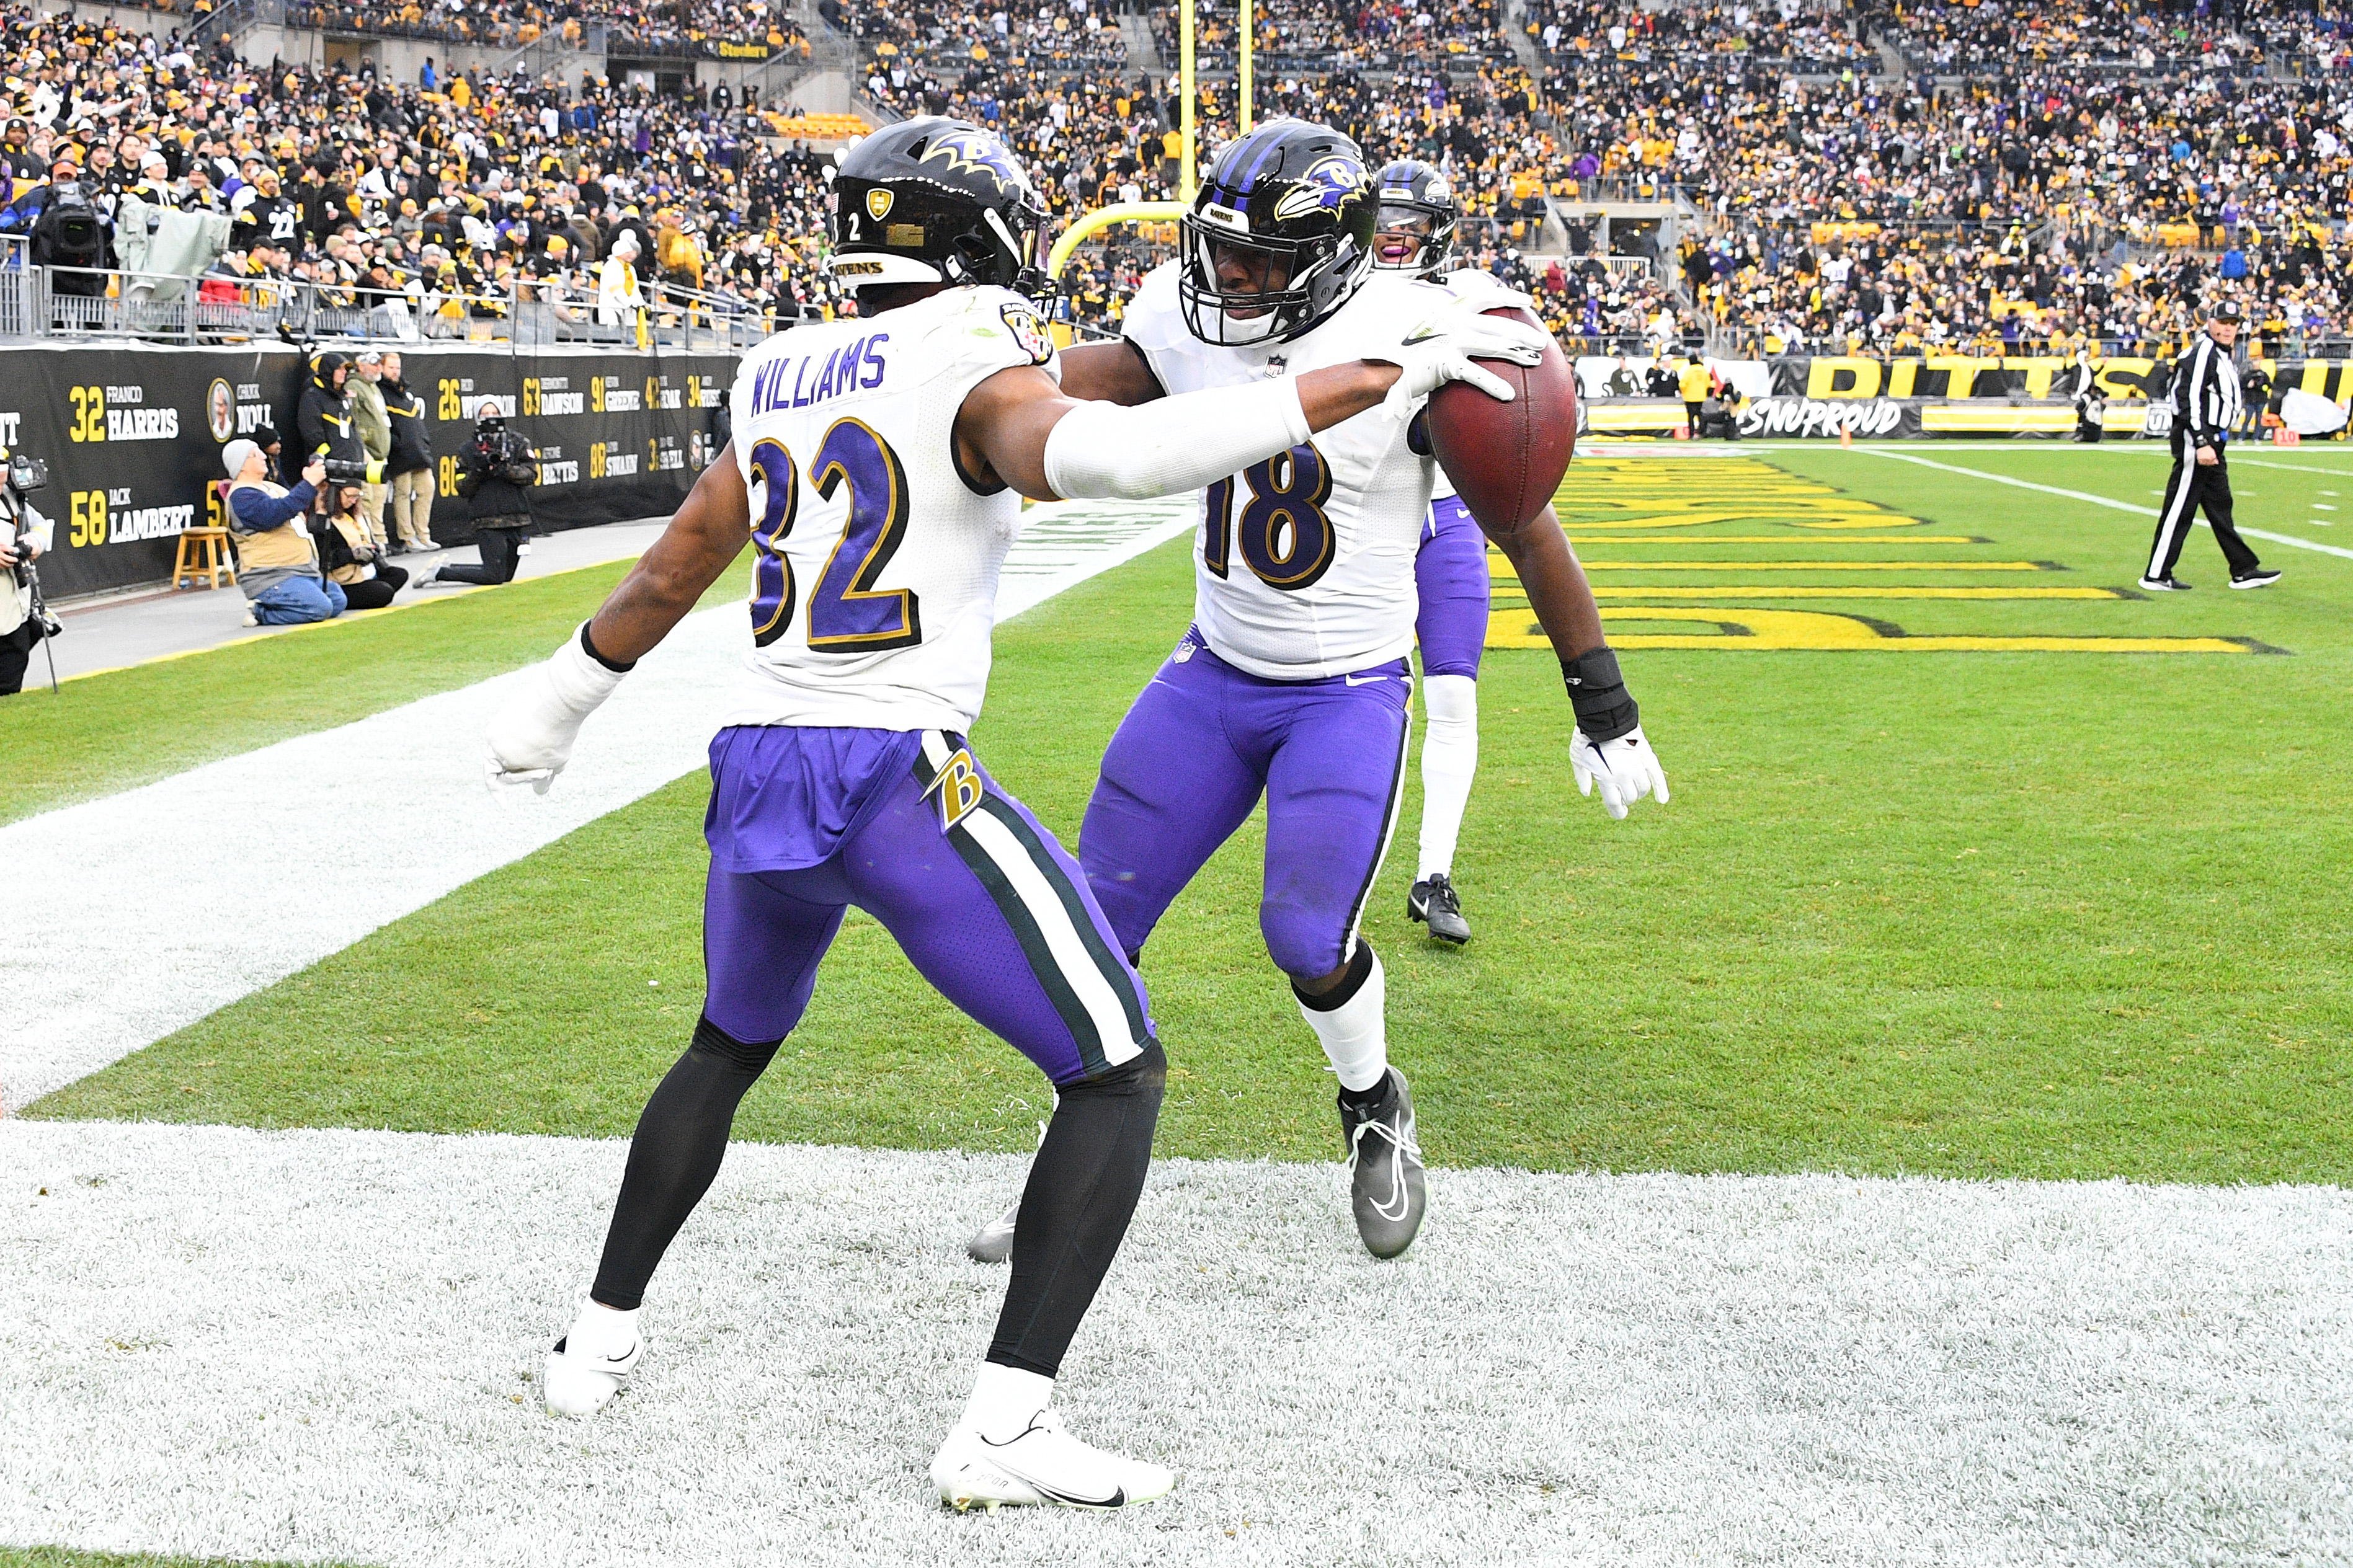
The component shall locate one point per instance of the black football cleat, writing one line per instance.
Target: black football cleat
(2258, 578)
(2163, 585)
(1385, 1185)
(1436, 904)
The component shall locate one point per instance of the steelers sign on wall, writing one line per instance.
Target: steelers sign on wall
(133, 439)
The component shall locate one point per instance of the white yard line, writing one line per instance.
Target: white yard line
(321, 1345)
(2107, 501)
(164, 903)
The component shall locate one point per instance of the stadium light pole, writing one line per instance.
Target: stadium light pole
(1249, 26)
(1184, 110)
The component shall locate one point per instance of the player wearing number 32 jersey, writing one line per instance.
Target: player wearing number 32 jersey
(876, 471)
(1292, 682)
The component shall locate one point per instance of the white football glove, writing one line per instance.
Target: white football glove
(1626, 768)
(1440, 350)
(531, 739)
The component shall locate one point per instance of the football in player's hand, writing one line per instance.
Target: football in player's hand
(1507, 458)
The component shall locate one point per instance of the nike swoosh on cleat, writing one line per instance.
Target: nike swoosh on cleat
(1118, 1497)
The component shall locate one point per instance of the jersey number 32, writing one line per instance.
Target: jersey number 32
(845, 613)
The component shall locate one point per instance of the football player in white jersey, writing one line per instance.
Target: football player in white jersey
(1293, 682)
(874, 469)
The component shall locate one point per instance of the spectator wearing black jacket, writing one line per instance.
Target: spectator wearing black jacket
(324, 423)
(410, 470)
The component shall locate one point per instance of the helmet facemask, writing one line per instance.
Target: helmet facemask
(1430, 228)
(1315, 271)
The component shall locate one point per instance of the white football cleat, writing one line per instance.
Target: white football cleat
(1043, 1465)
(993, 1243)
(582, 1384)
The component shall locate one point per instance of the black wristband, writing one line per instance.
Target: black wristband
(589, 649)
(1605, 709)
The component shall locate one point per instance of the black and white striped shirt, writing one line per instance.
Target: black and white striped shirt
(2205, 393)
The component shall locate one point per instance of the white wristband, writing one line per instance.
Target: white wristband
(1101, 451)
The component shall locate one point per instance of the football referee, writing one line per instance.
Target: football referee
(2205, 401)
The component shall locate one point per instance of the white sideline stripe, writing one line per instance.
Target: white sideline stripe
(311, 1344)
(2107, 501)
(167, 902)
(2238, 462)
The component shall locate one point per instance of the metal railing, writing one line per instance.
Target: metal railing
(160, 307)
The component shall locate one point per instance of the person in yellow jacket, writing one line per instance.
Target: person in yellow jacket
(1692, 386)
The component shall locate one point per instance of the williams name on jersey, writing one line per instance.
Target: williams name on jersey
(874, 586)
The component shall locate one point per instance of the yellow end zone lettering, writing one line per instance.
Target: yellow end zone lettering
(1742, 629)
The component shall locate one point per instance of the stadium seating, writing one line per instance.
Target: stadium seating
(1934, 176)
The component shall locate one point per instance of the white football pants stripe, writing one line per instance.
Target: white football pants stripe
(1044, 902)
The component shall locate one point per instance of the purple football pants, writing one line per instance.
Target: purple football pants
(1201, 743)
(1450, 578)
(805, 822)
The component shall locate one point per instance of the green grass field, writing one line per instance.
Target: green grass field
(121, 729)
(2005, 902)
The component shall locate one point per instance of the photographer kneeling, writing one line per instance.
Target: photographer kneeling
(279, 568)
(495, 472)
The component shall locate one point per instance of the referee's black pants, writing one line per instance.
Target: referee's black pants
(2193, 486)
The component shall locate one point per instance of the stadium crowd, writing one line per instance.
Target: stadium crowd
(463, 197)
(639, 27)
(2074, 184)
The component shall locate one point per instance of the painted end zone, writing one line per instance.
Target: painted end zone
(1699, 493)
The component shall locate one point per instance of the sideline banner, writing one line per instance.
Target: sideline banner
(134, 437)
(1827, 377)
(1878, 418)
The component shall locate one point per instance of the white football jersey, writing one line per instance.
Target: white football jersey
(875, 587)
(1303, 563)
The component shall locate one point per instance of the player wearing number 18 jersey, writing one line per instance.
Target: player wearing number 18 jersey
(874, 471)
(1292, 680)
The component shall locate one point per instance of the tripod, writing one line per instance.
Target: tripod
(49, 623)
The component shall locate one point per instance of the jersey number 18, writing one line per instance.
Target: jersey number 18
(846, 614)
(1283, 534)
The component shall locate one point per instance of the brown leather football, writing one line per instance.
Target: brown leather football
(1507, 458)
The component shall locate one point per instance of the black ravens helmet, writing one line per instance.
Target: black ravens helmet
(935, 201)
(1415, 232)
(1292, 203)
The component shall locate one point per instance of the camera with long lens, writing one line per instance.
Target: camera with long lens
(341, 493)
(504, 454)
(20, 475)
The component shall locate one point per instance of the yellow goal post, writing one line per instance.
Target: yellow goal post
(1089, 225)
